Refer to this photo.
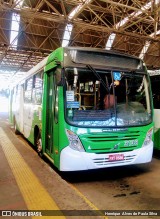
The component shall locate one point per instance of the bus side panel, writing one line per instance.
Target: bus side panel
(28, 118)
(36, 112)
(50, 122)
(56, 130)
(18, 108)
(58, 135)
(157, 129)
(11, 107)
(61, 140)
(44, 111)
(21, 113)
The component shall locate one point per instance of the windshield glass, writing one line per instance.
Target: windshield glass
(106, 98)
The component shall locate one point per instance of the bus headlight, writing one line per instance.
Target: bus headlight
(74, 141)
(148, 138)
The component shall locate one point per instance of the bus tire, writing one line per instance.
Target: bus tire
(38, 142)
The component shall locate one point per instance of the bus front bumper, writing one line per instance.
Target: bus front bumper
(71, 160)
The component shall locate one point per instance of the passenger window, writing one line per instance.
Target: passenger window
(38, 87)
(28, 90)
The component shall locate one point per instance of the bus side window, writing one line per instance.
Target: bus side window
(37, 88)
(28, 90)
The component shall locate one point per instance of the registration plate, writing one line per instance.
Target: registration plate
(116, 157)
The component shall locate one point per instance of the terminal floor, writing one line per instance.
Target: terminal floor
(27, 182)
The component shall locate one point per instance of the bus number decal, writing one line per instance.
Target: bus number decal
(131, 143)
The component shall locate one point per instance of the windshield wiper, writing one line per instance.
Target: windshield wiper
(98, 76)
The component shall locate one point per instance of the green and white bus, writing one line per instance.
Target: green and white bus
(86, 108)
(155, 83)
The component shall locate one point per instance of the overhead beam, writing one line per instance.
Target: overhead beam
(120, 4)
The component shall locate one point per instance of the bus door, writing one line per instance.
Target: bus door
(50, 114)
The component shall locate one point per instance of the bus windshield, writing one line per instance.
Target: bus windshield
(106, 98)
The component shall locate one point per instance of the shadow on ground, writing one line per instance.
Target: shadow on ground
(112, 173)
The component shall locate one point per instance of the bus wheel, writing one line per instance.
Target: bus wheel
(38, 144)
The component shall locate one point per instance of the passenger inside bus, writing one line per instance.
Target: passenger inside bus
(109, 101)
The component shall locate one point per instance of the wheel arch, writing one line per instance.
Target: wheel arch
(36, 132)
(37, 137)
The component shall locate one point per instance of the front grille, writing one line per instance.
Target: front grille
(106, 142)
(107, 137)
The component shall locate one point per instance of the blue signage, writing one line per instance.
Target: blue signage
(116, 75)
(73, 104)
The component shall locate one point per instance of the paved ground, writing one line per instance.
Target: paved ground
(126, 188)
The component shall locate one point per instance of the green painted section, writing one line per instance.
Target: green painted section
(59, 142)
(62, 138)
(54, 58)
(44, 112)
(97, 141)
(157, 139)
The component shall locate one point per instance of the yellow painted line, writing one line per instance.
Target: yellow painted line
(33, 192)
(87, 201)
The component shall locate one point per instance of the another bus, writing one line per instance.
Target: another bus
(155, 82)
(86, 108)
